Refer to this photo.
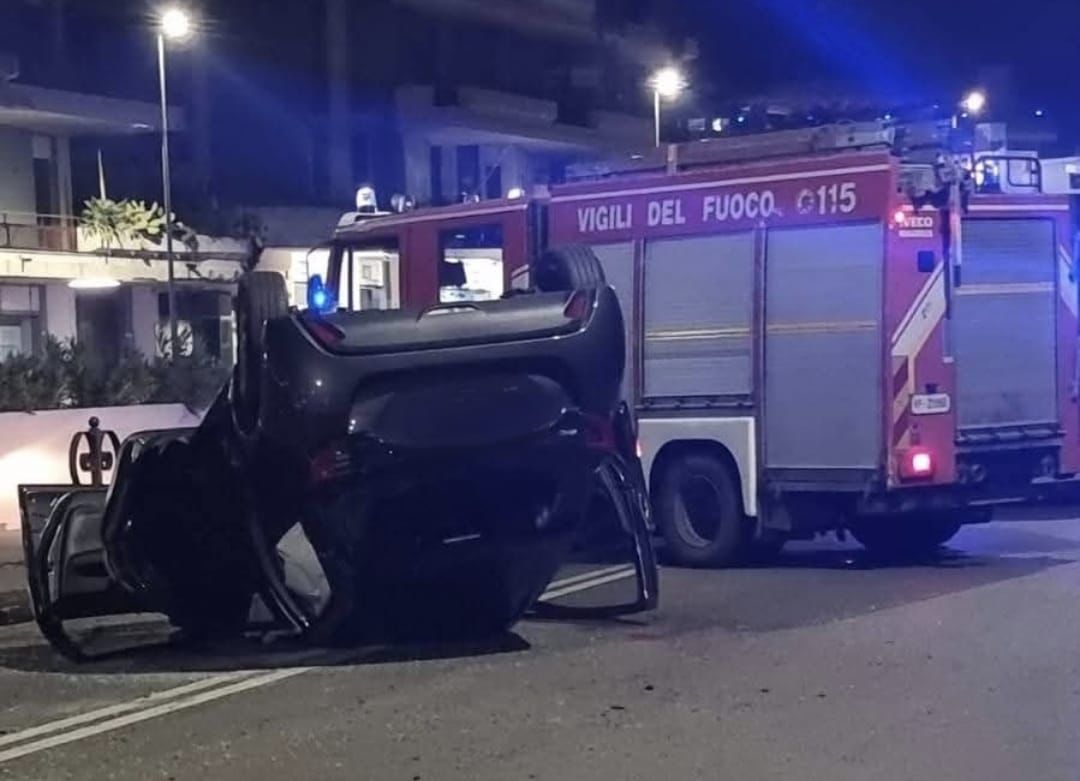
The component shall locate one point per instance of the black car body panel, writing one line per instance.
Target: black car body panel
(306, 377)
(440, 463)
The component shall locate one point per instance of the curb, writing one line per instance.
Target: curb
(15, 608)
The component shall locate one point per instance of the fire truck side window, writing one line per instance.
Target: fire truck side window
(471, 264)
(368, 279)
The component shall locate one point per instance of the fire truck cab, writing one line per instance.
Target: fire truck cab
(827, 330)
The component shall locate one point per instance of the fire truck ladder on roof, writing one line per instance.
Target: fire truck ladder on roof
(844, 136)
(920, 143)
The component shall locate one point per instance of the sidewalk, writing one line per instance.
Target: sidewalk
(14, 606)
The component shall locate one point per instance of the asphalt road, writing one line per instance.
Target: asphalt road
(826, 665)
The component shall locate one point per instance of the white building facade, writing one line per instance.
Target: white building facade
(56, 279)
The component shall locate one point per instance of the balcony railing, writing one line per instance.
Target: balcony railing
(65, 233)
(25, 230)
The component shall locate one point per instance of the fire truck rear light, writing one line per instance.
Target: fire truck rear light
(916, 464)
(899, 217)
(921, 464)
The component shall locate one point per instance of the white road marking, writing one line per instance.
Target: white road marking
(113, 717)
(596, 573)
(123, 707)
(150, 713)
(622, 574)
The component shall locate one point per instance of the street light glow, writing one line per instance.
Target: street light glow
(175, 24)
(975, 102)
(668, 82)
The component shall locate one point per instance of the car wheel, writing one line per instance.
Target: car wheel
(699, 513)
(905, 536)
(260, 297)
(568, 268)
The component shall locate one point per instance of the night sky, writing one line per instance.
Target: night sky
(894, 49)
(752, 44)
(267, 63)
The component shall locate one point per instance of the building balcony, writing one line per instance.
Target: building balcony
(53, 111)
(49, 246)
(484, 116)
(52, 232)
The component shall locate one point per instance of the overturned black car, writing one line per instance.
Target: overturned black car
(371, 476)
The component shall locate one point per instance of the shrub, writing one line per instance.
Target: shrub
(29, 382)
(65, 374)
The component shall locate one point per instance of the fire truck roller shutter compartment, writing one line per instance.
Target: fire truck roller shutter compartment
(1005, 311)
(823, 363)
(617, 261)
(699, 296)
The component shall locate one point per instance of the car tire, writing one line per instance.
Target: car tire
(568, 268)
(699, 513)
(905, 536)
(260, 297)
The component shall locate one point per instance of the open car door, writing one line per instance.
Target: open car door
(612, 570)
(65, 560)
(65, 548)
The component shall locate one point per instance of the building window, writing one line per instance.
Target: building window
(204, 324)
(468, 169)
(20, 319)
(493, 187)
(100, 318)
(436, 164)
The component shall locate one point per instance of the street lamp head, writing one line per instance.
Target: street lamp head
(974, 102)
(668, 82)
(175, 24)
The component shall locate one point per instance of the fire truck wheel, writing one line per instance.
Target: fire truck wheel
(699, 513)
(260, 296)
(568, 268)
(905, 536)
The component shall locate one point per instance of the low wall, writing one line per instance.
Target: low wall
(34, 446)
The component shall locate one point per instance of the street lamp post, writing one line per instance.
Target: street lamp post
(973, 104)
(175, 25)
(667, 83)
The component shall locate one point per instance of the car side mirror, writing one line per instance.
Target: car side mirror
(926, 261)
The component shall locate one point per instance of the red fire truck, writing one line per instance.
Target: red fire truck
(825, 332)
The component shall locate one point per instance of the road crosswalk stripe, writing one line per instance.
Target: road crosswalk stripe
(145, 714)
(113, 717)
